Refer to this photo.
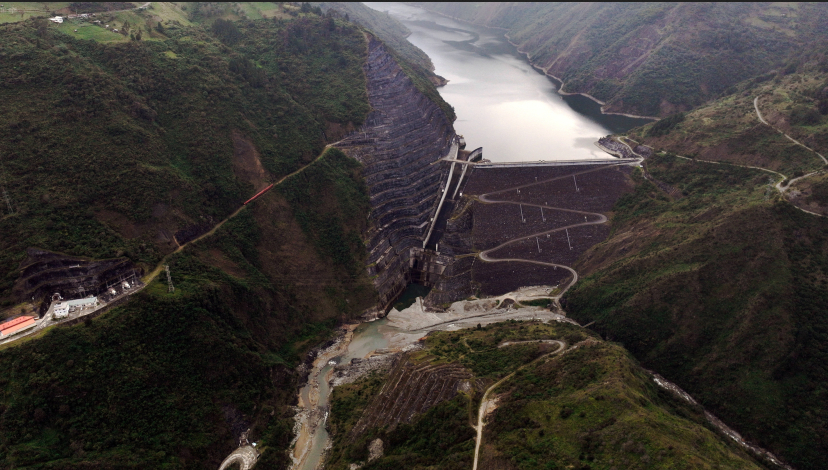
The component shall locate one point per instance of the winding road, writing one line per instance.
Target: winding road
(762, 120)
(245, 457)
(598, 218)
(485, 403)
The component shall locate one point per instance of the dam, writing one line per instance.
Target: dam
(431, 222)
(461, 224)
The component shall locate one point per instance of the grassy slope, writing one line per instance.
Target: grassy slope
(592, 405)
(728, 129)
(794, 100)
(656, 58)
(723, 292)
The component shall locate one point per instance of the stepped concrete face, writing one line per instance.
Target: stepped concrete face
(403, 135)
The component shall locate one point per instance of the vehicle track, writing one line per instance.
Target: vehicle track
(596, 219)
(483, 410)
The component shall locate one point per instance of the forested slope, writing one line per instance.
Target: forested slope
(589, 407)
(134, 147)
(723, 292)
(651, 59)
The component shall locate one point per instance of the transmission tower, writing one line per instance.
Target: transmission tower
(169, 279)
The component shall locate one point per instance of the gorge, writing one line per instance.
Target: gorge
(382, 236)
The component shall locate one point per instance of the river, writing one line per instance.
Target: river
(503, 104)
(366, 339)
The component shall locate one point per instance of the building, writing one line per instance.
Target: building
(15, 325)
(57, 19)
(62, 309)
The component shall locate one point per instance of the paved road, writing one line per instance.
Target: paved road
(484, 403)
(245, 457)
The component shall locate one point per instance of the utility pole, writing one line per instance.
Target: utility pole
(521, 214)
(542, 217)
(170, 289)
(576, 184)
(538, 242)
(567, 239)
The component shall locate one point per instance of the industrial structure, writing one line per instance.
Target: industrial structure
(62, 309)
(15, 325)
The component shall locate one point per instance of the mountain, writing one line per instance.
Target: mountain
(120, 152)
(719, 286)
(583, 403)
(651, 59)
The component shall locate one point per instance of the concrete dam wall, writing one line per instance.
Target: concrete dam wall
(403, 135)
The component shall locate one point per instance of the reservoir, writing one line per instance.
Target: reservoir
(503, 104)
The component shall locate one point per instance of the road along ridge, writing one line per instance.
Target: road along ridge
(484, 402)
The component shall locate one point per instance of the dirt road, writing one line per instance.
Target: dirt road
(597, 218)
(487, 406)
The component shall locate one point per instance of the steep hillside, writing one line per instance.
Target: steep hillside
(651, 59)
(723, 292)
(386, 28)
(131, 150)
(776, 121)
(590, 406)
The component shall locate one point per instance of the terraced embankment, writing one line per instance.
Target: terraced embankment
(402, 137)
(518, 226)
(412, 389)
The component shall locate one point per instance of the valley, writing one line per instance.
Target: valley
(252, 235)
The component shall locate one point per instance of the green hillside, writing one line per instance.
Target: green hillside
(723, 292)
(652, 59)
(590, 407)
(112, 148)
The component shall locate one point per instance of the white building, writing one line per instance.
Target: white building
(57, 19)
(62, 309)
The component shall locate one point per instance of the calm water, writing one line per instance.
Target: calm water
(502, 103)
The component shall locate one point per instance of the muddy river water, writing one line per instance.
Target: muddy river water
(503, 103)
(366, 339)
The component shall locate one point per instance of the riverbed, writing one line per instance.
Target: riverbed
(399, 331)
(503, 103)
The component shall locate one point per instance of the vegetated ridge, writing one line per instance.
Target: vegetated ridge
(651, 59)
(127, 149)
(590, 406)
(720, 291)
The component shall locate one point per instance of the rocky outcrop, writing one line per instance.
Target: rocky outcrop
(403, 136)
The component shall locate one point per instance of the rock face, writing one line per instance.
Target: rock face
(43, 273)
(403, 135)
